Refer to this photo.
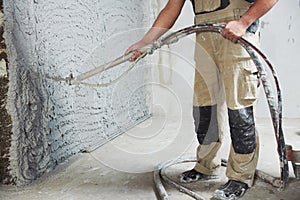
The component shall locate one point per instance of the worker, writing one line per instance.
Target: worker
(238, 75)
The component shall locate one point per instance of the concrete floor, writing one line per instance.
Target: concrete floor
(122, 169)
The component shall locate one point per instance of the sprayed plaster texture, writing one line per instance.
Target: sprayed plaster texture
(51, 119)
(5, 119)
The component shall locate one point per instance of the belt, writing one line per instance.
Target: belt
(224, 4)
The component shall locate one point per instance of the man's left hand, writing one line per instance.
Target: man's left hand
(234, 30)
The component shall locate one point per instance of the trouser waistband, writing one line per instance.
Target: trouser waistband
(223, 5)
(233, 11)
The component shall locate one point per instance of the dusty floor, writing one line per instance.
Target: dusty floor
(122, 169)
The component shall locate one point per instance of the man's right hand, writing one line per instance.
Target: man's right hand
(134, 49)
(164, 21)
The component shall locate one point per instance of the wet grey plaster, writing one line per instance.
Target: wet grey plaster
(51, 119)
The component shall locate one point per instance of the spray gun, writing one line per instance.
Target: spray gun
(147, 50)
(77, 80)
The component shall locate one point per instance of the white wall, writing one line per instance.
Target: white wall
(174, 73)
(280, 42)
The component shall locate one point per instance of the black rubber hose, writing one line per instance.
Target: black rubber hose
(276, 114)
(274, 107)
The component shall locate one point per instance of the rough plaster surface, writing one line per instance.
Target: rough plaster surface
(5, 119)
(52, 120)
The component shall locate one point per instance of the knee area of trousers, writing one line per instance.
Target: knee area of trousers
(242, 130)
(206, 124)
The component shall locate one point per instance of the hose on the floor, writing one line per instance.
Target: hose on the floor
(160, 173)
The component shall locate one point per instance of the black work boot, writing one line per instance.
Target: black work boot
(192, 176)
(231, 190)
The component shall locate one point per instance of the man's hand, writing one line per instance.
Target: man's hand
(164, 21)
(234, 30)
(134, 49)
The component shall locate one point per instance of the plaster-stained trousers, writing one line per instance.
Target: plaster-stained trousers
(228, 70)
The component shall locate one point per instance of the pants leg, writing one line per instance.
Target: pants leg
(206, 128)
(243, 155)
(242, 167)
(239, 76)
(209, 111)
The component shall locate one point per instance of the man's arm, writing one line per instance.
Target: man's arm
(164, 21)
(235, 29)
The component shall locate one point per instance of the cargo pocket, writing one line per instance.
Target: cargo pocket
(250, 86)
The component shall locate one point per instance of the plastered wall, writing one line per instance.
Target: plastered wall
(46, 42)
(5, 122)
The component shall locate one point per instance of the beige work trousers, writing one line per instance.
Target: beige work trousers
(225, 75)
